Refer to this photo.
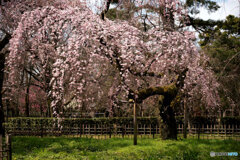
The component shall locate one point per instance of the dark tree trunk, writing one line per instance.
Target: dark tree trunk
(166, 94)
(1, 119)
(41, 110)
(185, 119)
(16, 109)
(2, 61)
(168, 125)
(27, 110)
(27, 103)
(48, 113)
(3, 44)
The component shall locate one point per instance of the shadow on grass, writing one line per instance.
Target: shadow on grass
(25, 145)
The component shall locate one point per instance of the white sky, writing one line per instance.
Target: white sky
(227, 7)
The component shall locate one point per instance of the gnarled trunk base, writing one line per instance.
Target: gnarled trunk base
(168, 125)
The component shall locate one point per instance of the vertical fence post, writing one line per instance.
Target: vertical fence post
(83, 132)
(150, 129)
(135, 123)
(144, 130)
(123, 131)
(185, 123)
(95, 130)
(207, 130)
(153, 130)
(211, 130)
(1, 148)
(236, 131)
(198, 130)
(41, 123)
(102, 130)
(229, 131)
(110, 131)
(9, 147)
(225, 128)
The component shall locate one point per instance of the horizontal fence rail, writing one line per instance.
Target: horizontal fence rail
(115, 127)
(209, 131)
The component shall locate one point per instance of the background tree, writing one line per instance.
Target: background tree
(146, 14)
(221, 44)
(11, 12)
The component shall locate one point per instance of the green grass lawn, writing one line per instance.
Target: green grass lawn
(65, 148)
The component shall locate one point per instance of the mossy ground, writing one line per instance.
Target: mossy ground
(70, 148)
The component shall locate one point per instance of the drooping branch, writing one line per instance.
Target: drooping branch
(122, 46)
(133, 72)
(160, 90)
(169, 91)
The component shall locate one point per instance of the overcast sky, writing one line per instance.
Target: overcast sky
(227, 7)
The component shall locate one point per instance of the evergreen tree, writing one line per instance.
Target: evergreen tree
(222, 45)
(147, 9)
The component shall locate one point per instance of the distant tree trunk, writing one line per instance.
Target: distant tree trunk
(141, 110)
(1, 118)
(7, 109)
(185, 119)
(48, 113)
(41, 110)
(2, 61)
(16, 110)
(27, 103)
(28, 80)
(83, 109)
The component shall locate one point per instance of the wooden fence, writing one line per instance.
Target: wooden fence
(212, 131)
(102, 130)
(5, 148)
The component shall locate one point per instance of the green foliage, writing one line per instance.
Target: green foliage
(198, 120)
(194, 5)
(43, 126)
(21, 122)
(205, 27)
(114, 14)
(25, 121)
(62, 148)
(127, 10)
(223, 35)
(222, 44)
